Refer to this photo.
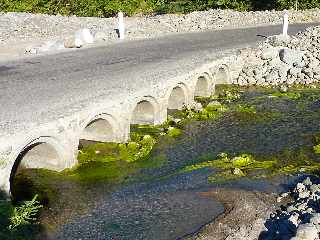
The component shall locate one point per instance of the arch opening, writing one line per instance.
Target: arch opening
(144, 113)
(98, 130)
(36, 156)
(202, 87)
(177, 99)
(222, 76)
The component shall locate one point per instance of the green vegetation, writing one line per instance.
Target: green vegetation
(245, 165)
(231, 168)
(317, 149)
(290, 95)
(18, 222)
(246, 109)
(25, 213)
(206, 113)
(102, 8)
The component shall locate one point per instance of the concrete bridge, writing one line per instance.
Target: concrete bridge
(50, 103)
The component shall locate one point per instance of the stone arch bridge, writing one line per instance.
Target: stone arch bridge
(54, 145)
(49, 103)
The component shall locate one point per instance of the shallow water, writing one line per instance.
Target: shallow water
(154, 199)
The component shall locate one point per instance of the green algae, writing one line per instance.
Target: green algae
(174, 132)
(246, 165)
(316, 149)
(209, 111)
(289, 95)
(244, 162)
(246, 108)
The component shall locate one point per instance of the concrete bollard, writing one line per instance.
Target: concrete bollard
(121, 25)
(285, 23)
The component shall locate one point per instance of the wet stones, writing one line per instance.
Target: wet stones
(300, 219)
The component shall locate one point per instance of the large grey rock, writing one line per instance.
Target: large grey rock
(295, 71)
(269, 53)
(279, 40)
(291, 57)
(273, 77)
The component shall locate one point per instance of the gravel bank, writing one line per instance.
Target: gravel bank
(21, 27)
(300, 218)
(283, 60)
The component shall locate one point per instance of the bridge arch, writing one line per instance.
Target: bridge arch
(203, 86)
(145, 111)
(101, 128)
(178, 97)
(222, 75)
(43, 152)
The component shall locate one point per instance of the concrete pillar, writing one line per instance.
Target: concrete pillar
(121, 27)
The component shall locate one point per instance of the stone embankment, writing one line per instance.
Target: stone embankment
(38, 29)
(300, 219)
(282, 60)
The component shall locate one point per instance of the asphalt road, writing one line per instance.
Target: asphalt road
(39, 89)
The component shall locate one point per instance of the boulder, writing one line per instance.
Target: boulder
(73, 42)
(279, 40)
(269, 53)
(295, 71)
(291, 57)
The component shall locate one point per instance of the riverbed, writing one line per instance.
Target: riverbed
(162, 195)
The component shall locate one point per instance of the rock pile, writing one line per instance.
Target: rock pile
(300, 219)
(283, 60)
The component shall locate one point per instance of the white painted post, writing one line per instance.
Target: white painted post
(285, 23)
(121, 25)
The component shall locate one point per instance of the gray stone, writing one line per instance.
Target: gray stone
(307, 182)
(279, 40)
(295, 71)
(73, 42)
(291, 57)
(269, 53)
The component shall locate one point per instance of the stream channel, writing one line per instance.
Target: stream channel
(258, 139)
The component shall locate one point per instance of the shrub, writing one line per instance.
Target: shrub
(103, 8)
(25, 214)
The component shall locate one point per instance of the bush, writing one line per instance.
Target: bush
(25, 214)
(107, 8)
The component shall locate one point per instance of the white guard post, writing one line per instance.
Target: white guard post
(285, 23)
(121, 25)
